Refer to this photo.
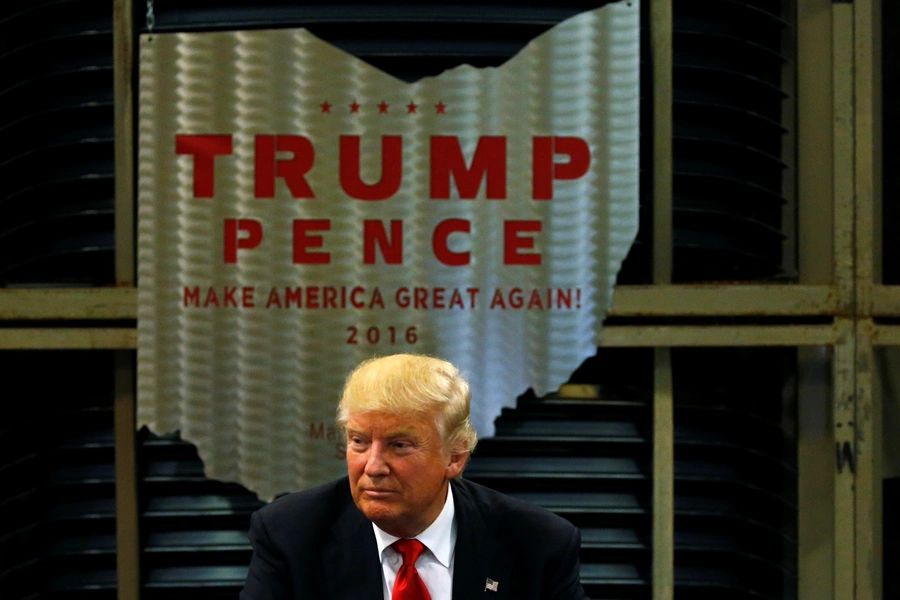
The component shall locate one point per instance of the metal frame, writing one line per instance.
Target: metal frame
(838, 206)
(844, 405)
(867, 160)
(128, 551)
(713, 300)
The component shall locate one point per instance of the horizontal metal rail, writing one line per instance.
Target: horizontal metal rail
(886, 335)
(68, 339)
(628, 301)
(619, 336)
(68, 304)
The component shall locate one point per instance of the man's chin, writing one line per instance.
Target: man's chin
(382, 514)
(378, 506)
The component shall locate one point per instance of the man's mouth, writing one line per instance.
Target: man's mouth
(378, 492)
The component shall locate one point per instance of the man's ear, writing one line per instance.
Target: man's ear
(457, 464)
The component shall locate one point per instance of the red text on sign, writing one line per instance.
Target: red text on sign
(204, 149)
(309, 244)
(488, 162)
(545, 169)
(291, 158)
(293, 170)
(251, 238)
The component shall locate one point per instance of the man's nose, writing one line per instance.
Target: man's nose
(375, 465)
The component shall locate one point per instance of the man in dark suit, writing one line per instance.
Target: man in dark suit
(403, 525)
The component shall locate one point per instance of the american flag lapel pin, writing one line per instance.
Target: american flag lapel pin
(491, 585)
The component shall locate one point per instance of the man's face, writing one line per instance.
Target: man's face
(399, 470)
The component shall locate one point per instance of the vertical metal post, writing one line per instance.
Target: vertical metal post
(127, 539)
(661, 44)
(816, 473)
(663, 478)
(127, 533)
(865, 163)
(869, 448)
(844, 410)
(815, 177)
(815, 241)
(123, 94)
(844, 417)
(844, 159)
(661, 24)
(844, 261)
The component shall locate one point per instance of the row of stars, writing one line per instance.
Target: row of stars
(411, 108)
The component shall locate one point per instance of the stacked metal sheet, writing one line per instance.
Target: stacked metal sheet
(729, 169)
(57, 501)
(590, 460)
(193, 530)
(735, 473)
(56, 143)
(728, 136)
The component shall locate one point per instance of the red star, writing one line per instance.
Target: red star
(411, 107)
(441, 107)
(326, 108)
(383, 107)
(354, 108)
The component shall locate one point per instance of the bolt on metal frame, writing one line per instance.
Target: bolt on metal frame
(837, 186)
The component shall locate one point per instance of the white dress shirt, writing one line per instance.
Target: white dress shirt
(435, 565)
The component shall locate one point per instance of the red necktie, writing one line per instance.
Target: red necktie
(408, 585)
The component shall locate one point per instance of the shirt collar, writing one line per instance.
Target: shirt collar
(439, 537)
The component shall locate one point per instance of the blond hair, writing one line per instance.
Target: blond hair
(411, 383)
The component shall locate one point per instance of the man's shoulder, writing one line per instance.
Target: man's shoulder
(501, 509)
(315, 505)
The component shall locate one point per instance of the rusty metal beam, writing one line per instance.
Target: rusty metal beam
(68, 304)
(128, 549)
(661, 25)
(844, 436)
(628, 301)
(663, 477)
(724, 300)
(125, 407)
(624, 336)
(886, 335)
(886, 301)
(67, 339)
(869, 449)
(815, 139)
(717, 335)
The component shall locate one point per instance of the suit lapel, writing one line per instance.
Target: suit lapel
(352, 566)
(475, 557)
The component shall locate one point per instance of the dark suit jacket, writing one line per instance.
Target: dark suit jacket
(316, 545)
